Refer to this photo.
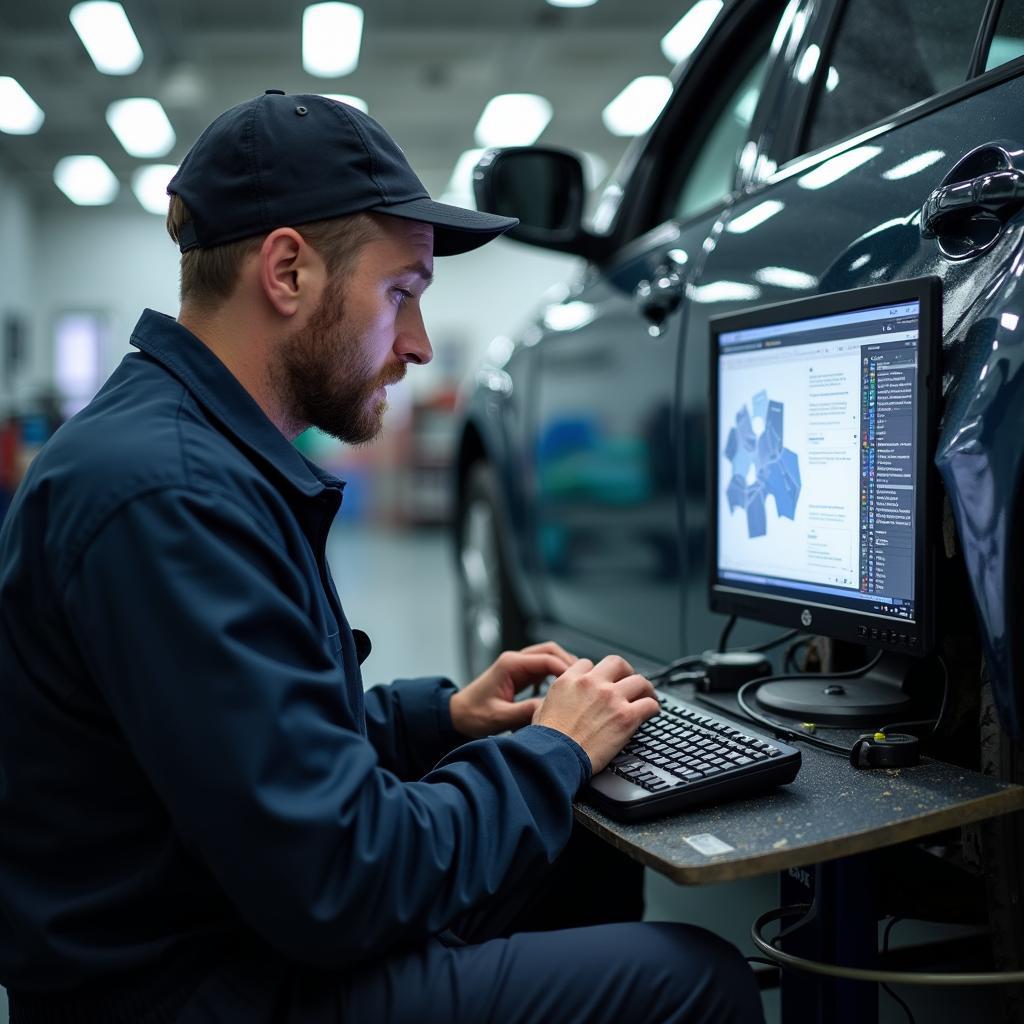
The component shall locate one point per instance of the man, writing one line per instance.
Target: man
(202, 817)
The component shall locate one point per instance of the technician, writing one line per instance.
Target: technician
(203, 818)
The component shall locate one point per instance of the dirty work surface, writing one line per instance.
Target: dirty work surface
(830, 810)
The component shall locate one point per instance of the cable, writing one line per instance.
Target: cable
(933, 722)
(799, 963)
(724, 638)
(662, 673)
(889, 991)
(786, 732)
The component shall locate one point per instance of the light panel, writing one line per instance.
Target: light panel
(331, 36)
(572, 3)
(141, 126)
(513, 119)
(86, 180)
(637, 107)
(19, 113)
(684, 37)
(150, 187)
(352, 101)
(107, 35)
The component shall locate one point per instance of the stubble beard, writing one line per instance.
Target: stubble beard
(325, 378)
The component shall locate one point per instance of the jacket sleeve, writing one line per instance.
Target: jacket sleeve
(193, 623)
(410, 725)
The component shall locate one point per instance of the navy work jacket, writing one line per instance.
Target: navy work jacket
(186, 752)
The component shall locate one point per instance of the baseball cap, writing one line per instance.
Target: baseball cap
(277, 161)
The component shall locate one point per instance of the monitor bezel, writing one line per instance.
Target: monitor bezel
(813, 616)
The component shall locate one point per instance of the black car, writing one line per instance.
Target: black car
(808, 147)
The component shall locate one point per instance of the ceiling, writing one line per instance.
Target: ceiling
(426, 70)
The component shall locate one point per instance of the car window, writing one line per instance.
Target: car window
(713, 171)
(712, 141)
(1008, 41)
(887, 55)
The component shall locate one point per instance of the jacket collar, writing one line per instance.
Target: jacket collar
(213, 385)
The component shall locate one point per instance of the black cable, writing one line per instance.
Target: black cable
(769, 644)
(786, 732)
(889, 991)
(728, 628)
(935, 723)
(694, 661)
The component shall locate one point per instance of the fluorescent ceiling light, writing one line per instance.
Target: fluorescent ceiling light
(85, 180)
(141, 126)
(572, 3)
(513, 119)
(832, 170)
(352, 101)
(331, 35)
(107, 34)
(460, 185)
(785, 277)
(150, 187)
(19, 113)
(914, 165)
(684, 37)
(637, 107)
(754, 216)
(831, 79)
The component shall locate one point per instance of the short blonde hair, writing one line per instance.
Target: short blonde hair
(209, 276)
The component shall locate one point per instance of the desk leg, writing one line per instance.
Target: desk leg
(845, 930)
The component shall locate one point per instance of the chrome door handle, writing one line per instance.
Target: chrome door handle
(995, 195)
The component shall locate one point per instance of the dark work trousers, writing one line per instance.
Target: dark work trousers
(536, 955)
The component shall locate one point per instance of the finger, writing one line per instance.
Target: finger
(521, 712)
(550, 647)
(635, 687)
(580, 667)
(614, 667)
(524, 669)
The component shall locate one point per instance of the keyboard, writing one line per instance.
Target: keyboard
(685, 757)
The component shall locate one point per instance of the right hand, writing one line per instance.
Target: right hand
(599, 706)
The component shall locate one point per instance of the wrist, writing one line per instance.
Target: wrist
(462, 718)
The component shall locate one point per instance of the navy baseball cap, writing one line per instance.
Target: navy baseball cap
(282, 161)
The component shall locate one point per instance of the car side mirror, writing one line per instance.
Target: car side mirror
(541, 186)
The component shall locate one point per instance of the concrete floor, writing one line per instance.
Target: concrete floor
(400, 588)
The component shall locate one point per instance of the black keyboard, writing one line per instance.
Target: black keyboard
(687, 756)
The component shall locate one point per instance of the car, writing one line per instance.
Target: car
(808, 147)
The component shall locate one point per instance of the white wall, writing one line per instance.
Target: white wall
(17, 291)
(106, 260)
(120, 261)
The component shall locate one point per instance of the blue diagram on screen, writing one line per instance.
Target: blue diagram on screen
(761, 465)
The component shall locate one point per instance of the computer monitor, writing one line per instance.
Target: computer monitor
(821, 490)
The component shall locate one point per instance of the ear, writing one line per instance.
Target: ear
(291, 273)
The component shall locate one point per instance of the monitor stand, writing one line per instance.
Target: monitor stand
(874, 699)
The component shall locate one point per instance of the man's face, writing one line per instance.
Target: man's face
(332, 372)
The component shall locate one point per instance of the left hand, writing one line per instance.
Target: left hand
(488, 705)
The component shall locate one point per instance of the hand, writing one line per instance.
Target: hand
(488, 706)
(599, 706)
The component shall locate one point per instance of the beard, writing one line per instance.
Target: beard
(325, 379)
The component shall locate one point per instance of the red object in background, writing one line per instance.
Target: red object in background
(10, 442)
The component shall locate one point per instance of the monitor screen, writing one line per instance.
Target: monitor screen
(820, 440)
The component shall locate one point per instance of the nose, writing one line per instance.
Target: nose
(412, 344)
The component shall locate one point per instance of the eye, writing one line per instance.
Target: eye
(403, 294)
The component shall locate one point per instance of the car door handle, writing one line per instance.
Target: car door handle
(658, 297)
(988, 197)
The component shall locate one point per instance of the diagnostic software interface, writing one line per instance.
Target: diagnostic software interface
(816, 471)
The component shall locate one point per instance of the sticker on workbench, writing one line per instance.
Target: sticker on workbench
(708, 844)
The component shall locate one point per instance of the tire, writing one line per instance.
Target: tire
(490, 617)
